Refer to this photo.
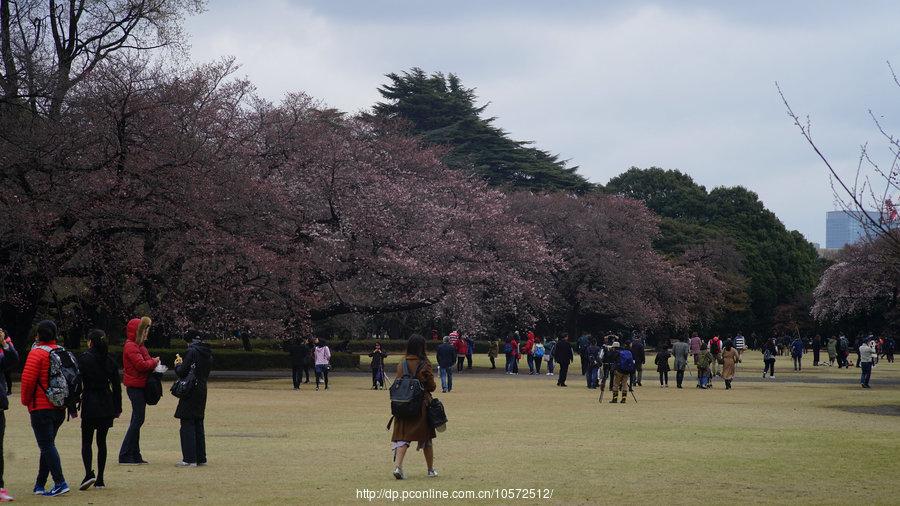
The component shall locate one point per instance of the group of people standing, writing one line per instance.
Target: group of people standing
(92, 391)
(314, 352)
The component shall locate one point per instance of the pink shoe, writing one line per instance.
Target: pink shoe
(4, 496)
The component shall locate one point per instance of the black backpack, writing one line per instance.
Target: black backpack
(65, 385)
(407, 393)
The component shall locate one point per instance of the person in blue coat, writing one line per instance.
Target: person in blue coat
(446, 359)
(470, 349)
(797, 353)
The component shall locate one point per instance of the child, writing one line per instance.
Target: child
(662, 366)
(377, 367)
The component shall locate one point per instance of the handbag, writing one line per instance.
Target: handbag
(437, 417)
(184, 387)
(153, 390)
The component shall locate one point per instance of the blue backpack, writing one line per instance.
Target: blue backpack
(626, 362)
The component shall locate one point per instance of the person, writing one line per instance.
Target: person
(7, 374)
(584, 340)
(740, 343)
(662, 366)
(493, 352)
(299, 352)
(593, 363)
(470, 349)
(680, 351)
(323, 362)
(730, 359)
(377, 366)
(9, 358)
(816, 348)
(770, 349)
(538, 351)
(622, 374)
(548, 353)
(514, 344)
(640, 358)
(528, 350)
(101, 403)
(865, 362)
(507, 351)
(563, 356)
(407, 430)
(446, 359)
(608, 363)
(137, 364)
(715, 349)
(191, 409)
(461, 349)
(310, 358)
(797, 353)
(890, 345)
(695, 347)
(832, 350)
(46, 419)
(704, 376)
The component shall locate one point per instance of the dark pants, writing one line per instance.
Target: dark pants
(592, 381)
(607, 375)
(584, 363)
(88, 427)
(815, 357)
(193, 441)
(664, 377)
(866, 373)
(378, 377)
(679, 378)
(798, 363)
(530, 359)
(537, 364)
(509, 361)
(306, 373)
(468, 361)
(322, 374)
(493, 363)
(459, 362)
(131, 445)
(563, 372)
(770, 367)
(550, 365)
(2, 433)
(45, 423)
(296, 375)
(515, 365)
(8, 377)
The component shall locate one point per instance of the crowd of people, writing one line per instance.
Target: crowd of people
(56, 385)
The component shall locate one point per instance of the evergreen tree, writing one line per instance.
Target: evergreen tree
(444, 112)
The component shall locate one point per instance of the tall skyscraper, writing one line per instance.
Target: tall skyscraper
(845, 227)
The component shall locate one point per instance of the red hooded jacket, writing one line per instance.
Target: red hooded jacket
(35, 378)
(529, 344)
(136, 362)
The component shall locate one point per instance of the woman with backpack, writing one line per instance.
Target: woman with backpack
(415, 428)
(46, 417)
(9, 358)
(323, 362)
(548, 353)
(662, 366)
(191, 409)
(137, 364)
(101, 403)
(538, 352)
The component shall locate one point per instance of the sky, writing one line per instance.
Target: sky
(687, 85)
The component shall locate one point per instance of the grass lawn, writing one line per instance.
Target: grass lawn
(781, 441)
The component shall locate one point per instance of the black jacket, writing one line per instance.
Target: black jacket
(299, 354)
(637, 350)
(200, 355)
(377, 359)
(446, 355)
(102, 395)
(562, 353)
(9, 360)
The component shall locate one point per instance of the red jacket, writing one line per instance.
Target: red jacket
(529, 344)
(136, 362)
(515, 348)
(36, 378)
(461, 346)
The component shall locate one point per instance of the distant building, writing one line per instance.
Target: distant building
(845, 227)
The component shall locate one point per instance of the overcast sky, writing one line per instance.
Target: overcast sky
(679, 85)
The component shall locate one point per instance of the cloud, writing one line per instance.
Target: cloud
(673, 84)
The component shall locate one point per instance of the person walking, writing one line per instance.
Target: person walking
(704, 374)
(470, 349)
(9, 359)
(446, 359)
(832, 350)
(740, 343)
(797, 353)
(528, 350)
(816, 348)
(593, 353)
(323, 362)
(890, 345)
(299, 352)
(507, 351)
(640, 358)
(695, 347)
(407, 430)
(538, 351)
(770, 349)
(662, 366)
(191, 410)
(137, 364)
(514, 344)
(715, 349)
(46, 418)
(681, 350)
(562, 353)
(377, 366)
(608, 363)
(493, 352)
(730, 359)
(624, 368)
(101, 403)
(461, 348)
(548, 353)
(581, 346)
(866, 354)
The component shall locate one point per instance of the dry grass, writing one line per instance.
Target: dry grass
(761, 443)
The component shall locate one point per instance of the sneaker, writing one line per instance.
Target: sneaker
(443, 390)
(5, 497)
(432, 473)
(326, 387)
(296, 389)
(58, 489)
(40, 490)
(99, 484)
(398, 473)
(186, 464)
(623, 400)
(88, 480)
(317, 389)
(771, 376)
